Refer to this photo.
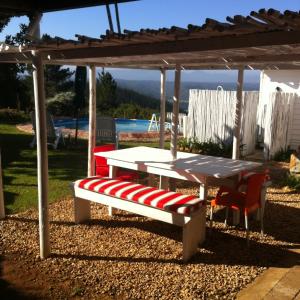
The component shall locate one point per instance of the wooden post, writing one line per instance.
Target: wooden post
(2, 207)
(174, 130)
(117, 17)
(174, 127)
(92, 120)
(42, 152)
(41, 142)
(238, 114)
(111, 26)
(162, 108)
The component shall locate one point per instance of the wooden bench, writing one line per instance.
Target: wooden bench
(186, 211)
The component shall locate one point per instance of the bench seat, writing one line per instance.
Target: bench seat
(188, 212)
(150, 196)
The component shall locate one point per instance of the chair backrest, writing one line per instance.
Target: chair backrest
(50, 124)
(102, 161)
(106, 130)
(254, 186)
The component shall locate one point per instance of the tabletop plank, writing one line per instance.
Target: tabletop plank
(189, 163)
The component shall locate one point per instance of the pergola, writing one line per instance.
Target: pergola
(263, 40)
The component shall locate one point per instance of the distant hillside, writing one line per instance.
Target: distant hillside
(143, 99)
(152, 88)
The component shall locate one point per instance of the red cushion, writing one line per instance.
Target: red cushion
(102, 168)
(161, 199)
(102, 161)
(121, 174)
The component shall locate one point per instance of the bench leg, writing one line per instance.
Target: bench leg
(110, 211)
(193, 234)
(112, 174)
(82, 210)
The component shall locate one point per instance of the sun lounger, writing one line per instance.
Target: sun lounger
(54, 134)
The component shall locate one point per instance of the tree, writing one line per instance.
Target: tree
(11, 74)
(80, 94)
(106, 91)
(57, 80)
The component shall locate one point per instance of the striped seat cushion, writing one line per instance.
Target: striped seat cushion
(161, 199)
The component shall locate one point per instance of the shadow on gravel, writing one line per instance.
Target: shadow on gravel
(222, 247)
(282, 222)
(8, 292)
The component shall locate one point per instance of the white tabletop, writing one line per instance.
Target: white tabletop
(159, 161)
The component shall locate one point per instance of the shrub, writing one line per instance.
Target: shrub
(206, 148)
(61, 104)
(13, 116)
(283, 155)
(185, 144)
(292, 182)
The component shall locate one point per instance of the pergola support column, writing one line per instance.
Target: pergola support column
(42, 152)
(162, 108)
(174, 128)
(238, 115)
(163, 181)
(92, 120)
(2, 207)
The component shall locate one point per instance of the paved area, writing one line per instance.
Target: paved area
(276, 283)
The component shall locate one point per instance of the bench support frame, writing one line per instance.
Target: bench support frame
(193, 226)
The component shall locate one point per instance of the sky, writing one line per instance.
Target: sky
(153, 14)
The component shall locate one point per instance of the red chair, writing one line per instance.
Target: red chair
(102, 169)
(245, 202)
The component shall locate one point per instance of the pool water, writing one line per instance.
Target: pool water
(123, 125)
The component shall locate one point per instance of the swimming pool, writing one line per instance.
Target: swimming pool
(123, 125)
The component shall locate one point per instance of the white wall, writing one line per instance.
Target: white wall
(294, 134)
(289, 82)
(211, 117)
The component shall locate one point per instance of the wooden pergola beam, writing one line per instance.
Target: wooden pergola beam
(21, 7)
(178, 46)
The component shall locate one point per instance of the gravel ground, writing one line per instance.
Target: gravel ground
(132, 257)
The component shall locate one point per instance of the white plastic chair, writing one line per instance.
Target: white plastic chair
(54, 134)
(106, 131)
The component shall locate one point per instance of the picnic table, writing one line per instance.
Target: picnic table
(187, 166)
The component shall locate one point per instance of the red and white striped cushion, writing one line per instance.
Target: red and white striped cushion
(161, 199)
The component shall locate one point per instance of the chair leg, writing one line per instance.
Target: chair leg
(62, 139)
(211, 218)
(33, 142)
(226, 216)
(247, 228)
(261, 214)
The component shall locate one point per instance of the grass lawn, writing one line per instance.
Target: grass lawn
(20, 168)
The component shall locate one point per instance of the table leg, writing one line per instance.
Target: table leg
(203, 189)
(172, 184)
(151, 178)
(112, 174)
(163, 182)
